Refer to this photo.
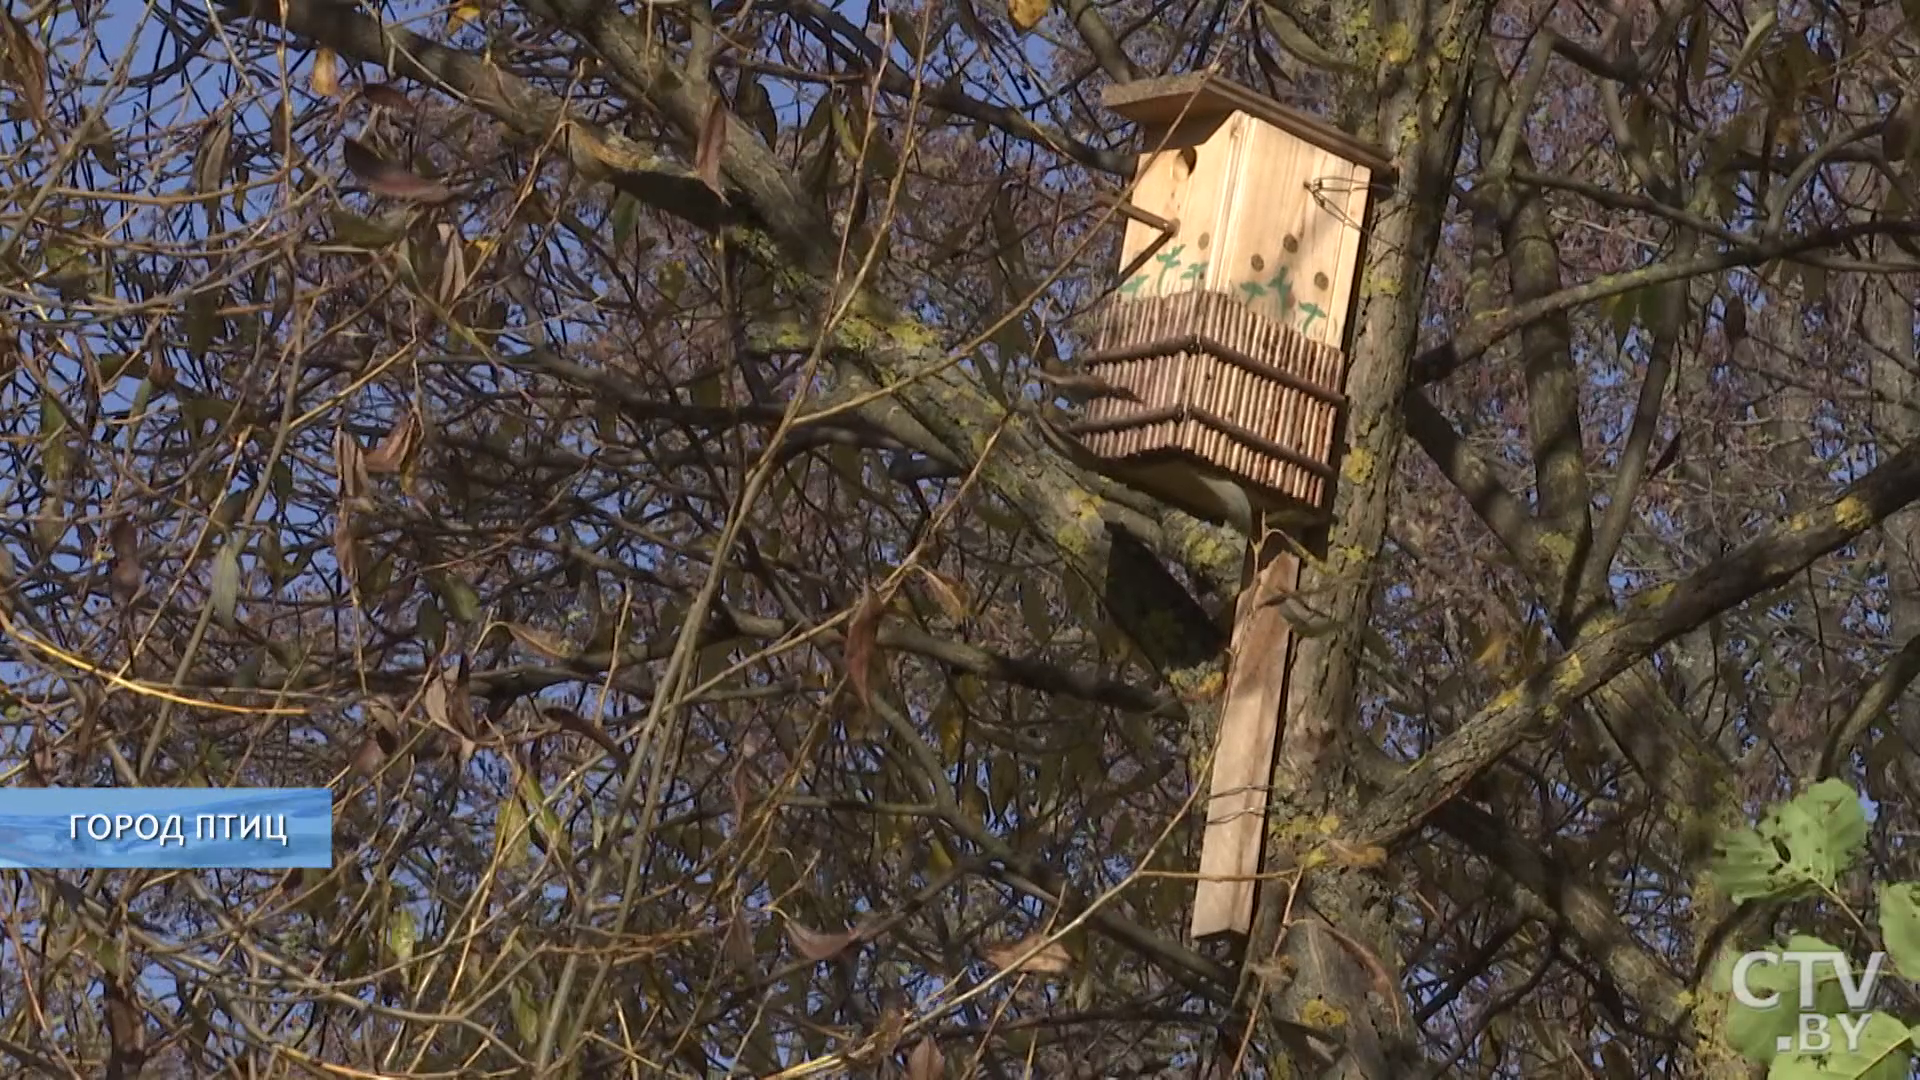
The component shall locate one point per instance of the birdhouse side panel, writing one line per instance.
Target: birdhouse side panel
(1185, 176)
(1293, 238)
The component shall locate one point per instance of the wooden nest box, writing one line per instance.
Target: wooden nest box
(1243, 241)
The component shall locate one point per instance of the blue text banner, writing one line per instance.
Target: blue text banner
(166, 828)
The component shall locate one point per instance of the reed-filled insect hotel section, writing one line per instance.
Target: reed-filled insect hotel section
(1218, 381)
(1238, 273)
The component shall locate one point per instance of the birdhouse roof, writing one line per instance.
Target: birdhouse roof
(1166, 100)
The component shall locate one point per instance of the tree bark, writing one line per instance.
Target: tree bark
(1335, 932)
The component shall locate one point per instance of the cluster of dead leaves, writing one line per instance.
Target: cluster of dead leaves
(24, 66)
(1048, 958)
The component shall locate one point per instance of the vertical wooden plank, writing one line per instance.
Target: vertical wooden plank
(1243, 760)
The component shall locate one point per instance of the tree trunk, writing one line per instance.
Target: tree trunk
(1334, 932)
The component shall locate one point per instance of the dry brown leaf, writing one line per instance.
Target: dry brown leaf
(1734, 321)
(392, 452)
(350, 466)
(383, 177)
(123, 582)
(861, 634)
(1051, 959)
(387, 96)
(24, 66)
(946, 594)
(210, 159)
(346, 550)
(712, 148)
(568, 720)
(448, 707)
(1341, 853)
(926, 1062)
(1026, 14)
(551, 646)
(817, 946)
(453, 269)
(326, 73)
(742, 791)
(369, 757)
(738, 946)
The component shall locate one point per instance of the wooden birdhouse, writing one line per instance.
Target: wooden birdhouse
(1227, 331)
(1239, 260)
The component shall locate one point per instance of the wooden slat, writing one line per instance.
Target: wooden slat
(1243, 760)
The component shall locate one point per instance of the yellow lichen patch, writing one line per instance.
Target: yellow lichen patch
(1358, 468)
(1558, 545)
(1346, 555)
(1852, 512)
(1397, 44)
(1379, 284)
(1323, 1014)
(1508, 698)
(1204, 688)
(1570, 673)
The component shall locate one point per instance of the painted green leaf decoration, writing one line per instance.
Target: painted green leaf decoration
(1801, 846)
(1253, 289)
(1900, 925)
(1134, 284)
(1168, 260)
(1282, 287)
(1312, 312)
(1882, 1050)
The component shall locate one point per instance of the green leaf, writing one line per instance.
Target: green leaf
(430, 626)
(626, 217)
(510, 832)
(203, 321)
(540, 810)
(1802, 845)
(401, 935)
(1622, 311)
(1882, 1050)
(226, 583)
(353, 230)
(280, 480)
(526, 1016)
(462, 602)
(1900, 925)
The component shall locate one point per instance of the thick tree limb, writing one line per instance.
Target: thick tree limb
(1441, 361)
(1586, 914)
(1898, 673)
(1612, 645)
